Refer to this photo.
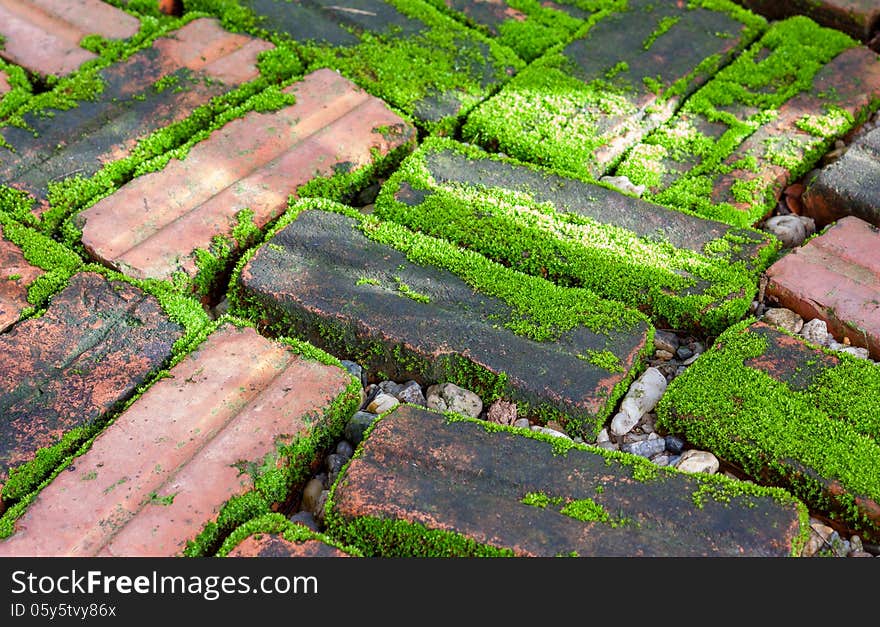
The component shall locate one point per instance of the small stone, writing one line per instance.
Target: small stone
(354, 429)
(319, 506)
(608, 446)
(674, 444)
(855, 351)
(355, 370)
(641, 398)
(789, 229)
(663, 355)
(345, 449)
(631, 437)
(855, 543)
(522, 423)
(390, 388)
(623, 184)
(307, 519)
(809, 225)
(311, 494)
(646, 424)
(550, 432)
(784, 319)
(666, 341)
(691, 359)
(698, 461)
(645, 448)
(683, 352)
(660, 459)
(502, 412)
(673, 460)
(450, 397)
(603, 436)
(334, 463)
(815, 331)
(411, 393)
(221, 308)
(859, 554)
(382, 403)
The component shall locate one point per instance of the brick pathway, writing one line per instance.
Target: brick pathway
(414, 185)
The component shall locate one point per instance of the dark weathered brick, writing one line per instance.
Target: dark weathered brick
(97, 342)
(859, 18)
(786, 414)
(44, 35)
(835, 277)
(682, 270)
(153, 226)
(199, 61)
(580, 107)
(203, 435)
(759, 124)
(424, 485)
(848, 186)
(348, 285)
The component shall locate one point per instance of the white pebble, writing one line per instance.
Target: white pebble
(641, 398)
(698, 461)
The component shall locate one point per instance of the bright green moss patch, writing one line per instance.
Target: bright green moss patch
(19, 89)
(706, 289)
(585, 510)
(277, 524)
(819, 442)
(683, 162)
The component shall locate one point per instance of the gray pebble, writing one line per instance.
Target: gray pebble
(674, 445)
(683, 352)
(334, 463)
(345, 449)
(661, 459)
(815, 331)
(608, 446)
(523, 423)
(784, 319)
(665, 341)
(319, 507)
(390, 388)
(789, 229)
(412, 393)
(645, 448)
(307, 519)
(354, 430)
(356, 371)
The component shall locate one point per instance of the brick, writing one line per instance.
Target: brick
(786, 414)
(43, 35)
(580, 107)
(271, 545)
(848, 186)
(450, 488)
(438, 313)
(375, 43)
(153, 226)
(835, 277)
(201, 59)
(681, 270)
(759, 125)
(95, 344)
(201, 436)
(858, 18)
(32, 268)
(5, 87)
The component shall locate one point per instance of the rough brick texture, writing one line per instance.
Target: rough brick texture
(230, 403)
(859, 18)
(43, 35)
(848, 186)
(201, 59)
(273, 545)
(322, 278)
(835, 277)
(419, 469)
(16, 274)
(89, 351)
(152, 226)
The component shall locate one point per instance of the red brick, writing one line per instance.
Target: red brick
(16, 274)
(848, 186)
(230, 402)
(206, 61)
(97, 342)
(153, 225)
(835, 277)
(273, 545)
(859, 18)
(418, 468)
(43, 35)
(4, 83)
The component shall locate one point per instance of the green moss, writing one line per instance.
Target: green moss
(802, 439)
(682, 162)
(603, 359)
(277, 524)
(706, 290)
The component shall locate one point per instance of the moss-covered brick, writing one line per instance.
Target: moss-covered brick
(432, 485)
(222, 438)
(404, 51)
(762, 122)
(858, 18)
(405, 305)
(53, 37)
(787, 414)
(15, 87)
(681, 270)
(193, 217)
(65, 372)
(100, 116)
(273, 535)
(582, 104)
(32, 268)
(529, 27)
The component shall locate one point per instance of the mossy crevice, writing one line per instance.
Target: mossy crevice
(277, 524)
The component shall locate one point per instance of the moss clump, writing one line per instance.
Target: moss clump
(556, 113)
(277, 524)
(682, 162)
(807, 440)
(520, 228)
